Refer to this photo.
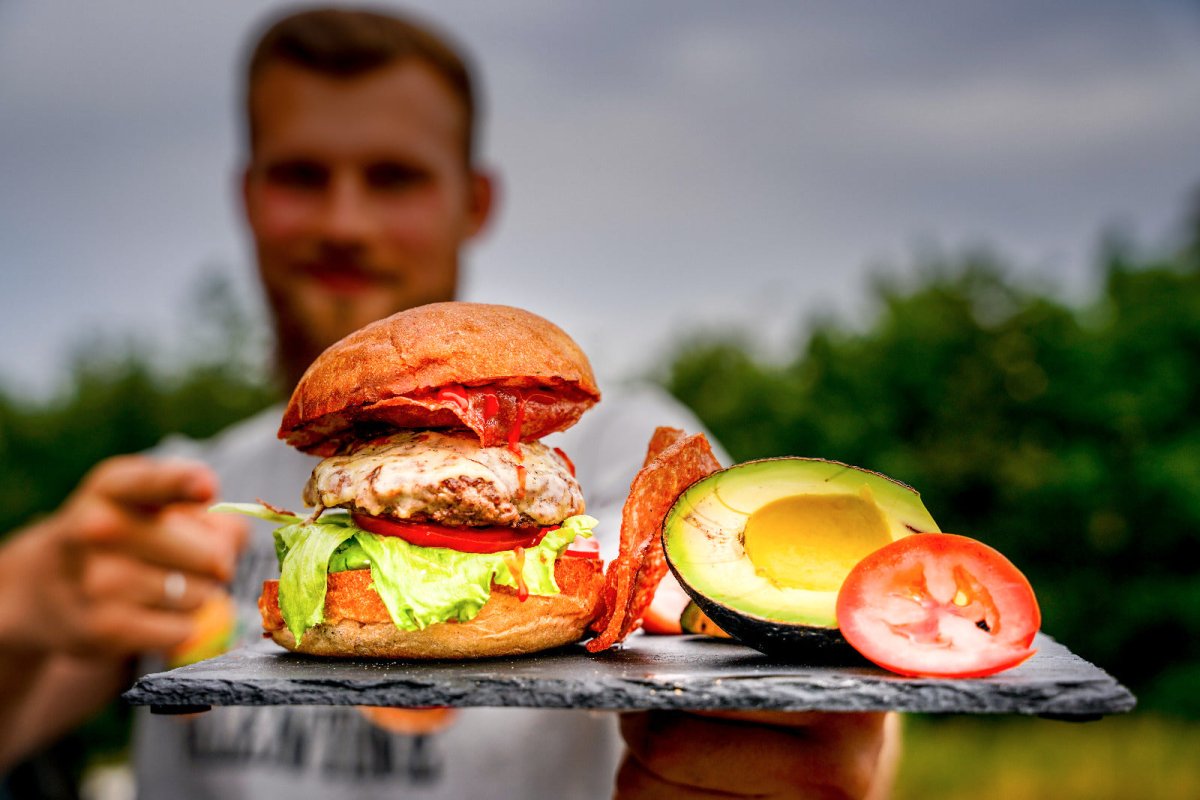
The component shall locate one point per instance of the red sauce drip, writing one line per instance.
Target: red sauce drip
(491, 405)
(520, 480)
(514, 433)
(517, 567)
(569, 462)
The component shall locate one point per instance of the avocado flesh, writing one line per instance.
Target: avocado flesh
(763, 547)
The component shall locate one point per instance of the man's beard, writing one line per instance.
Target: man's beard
(303, 330)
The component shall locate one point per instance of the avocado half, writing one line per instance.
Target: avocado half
(763, 547)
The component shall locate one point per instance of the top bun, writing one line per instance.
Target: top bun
(389, 375)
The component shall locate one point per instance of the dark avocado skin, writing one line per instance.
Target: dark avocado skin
(799, 644)
(703, 534)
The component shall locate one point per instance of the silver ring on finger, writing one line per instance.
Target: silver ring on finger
(174, 587)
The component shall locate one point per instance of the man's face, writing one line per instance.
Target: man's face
(358, 196)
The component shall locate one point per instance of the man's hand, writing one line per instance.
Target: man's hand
(121, 566)
(757, 754)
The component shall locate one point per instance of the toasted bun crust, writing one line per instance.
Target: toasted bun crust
(357, 622)
(385, 372)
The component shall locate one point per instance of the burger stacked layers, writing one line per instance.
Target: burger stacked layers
(442, 527)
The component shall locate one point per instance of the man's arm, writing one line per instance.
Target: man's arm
(51, 698)
(116, 571)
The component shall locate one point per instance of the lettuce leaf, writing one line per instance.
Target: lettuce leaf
(304, 569)
(420, 586)
(348, 556)
(253, 510)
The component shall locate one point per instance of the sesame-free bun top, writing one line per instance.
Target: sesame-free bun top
(443, 365)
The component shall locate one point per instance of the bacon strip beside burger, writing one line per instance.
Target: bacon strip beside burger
(442, 527)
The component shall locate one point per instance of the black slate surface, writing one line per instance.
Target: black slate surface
(650, 672)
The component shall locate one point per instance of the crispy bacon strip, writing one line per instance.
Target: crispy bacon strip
(498, 414)
(662, 438)
(634, 575)
(631, 538)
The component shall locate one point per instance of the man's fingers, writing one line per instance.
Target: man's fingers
(150, 509)
(854, 733)
(231, 531)
(121, 629)
(783, 719)
(819, 723)
(139, 483)
(186, 542)
(115, 577)
(636, 782)
(737, 756)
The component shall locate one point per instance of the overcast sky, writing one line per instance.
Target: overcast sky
(665, 164)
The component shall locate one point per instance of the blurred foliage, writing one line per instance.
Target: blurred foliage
(123, 397)
(973, 758)
(1067, 436)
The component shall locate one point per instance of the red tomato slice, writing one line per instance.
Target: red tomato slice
(583, 548)
(941, 605)
(492, 539)
(666, 608)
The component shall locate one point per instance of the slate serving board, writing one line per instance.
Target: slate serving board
(649, 672)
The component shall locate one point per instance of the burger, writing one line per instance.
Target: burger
(441, 527)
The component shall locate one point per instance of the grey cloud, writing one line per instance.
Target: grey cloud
(663, 163)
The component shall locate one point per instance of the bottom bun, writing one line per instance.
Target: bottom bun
(357, 622)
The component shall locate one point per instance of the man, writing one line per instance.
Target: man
(360, 191)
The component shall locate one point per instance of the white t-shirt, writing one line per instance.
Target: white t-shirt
(331, 752)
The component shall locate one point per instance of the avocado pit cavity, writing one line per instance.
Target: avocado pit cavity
(812, 542)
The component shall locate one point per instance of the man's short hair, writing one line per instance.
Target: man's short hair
(348, 43)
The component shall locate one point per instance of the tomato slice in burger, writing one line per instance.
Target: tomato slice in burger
(582, 547)
(941, 605)
(491, 539)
